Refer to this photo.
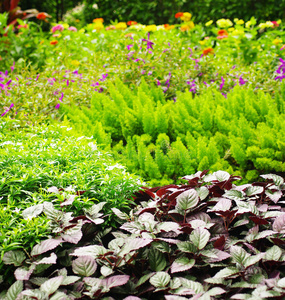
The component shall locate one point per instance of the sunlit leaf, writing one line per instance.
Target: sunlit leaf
(160, 279)
(200, 237)
(84, 266)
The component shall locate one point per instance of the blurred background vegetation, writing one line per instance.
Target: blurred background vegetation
(156, 11)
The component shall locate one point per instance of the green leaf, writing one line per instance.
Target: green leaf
(200, 237)
(187, 247)
(84, 266)
(59, 296)
(273, 253)
(281, 283)
(203, 192)
(252, 260)
(157, 260)
(161, 246)
(278, 180)
(14, 257)
(51, 285)
(254, 190)
(187, 200)
(160, 279)
(197, 287)
(226, 272)
(233, 195)
(182, 264)
(14, 290)
(239, 254)
(144, 278)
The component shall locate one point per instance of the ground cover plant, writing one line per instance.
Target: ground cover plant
(205, 239)
(48, 164)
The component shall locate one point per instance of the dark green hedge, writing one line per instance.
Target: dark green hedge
(163, 11)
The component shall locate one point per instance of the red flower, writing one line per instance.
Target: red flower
(178, 15)
(275, 23)
(54, 42)
(129, 23)
(42, 16)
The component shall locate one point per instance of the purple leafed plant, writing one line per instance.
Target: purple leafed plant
(205, 239)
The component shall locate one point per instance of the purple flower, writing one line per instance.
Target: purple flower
(222, 84)
(7, 110)
(37, 77)
(149, 73)
(129, 47)
(13, 67)
(57, 106)
(158, 82)
(242, 81)
(61, 97)
(148, 42)
(67, 82)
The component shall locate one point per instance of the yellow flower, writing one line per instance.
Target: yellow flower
(248, 24)
(82, 30)
(187, 26)
(223, 23)
(98, 26)
(231, 29)
(209, 23)
(186, 17)
(237, 32)
(276, 41)
(75, 63)
(202, 42)
(279, 21)
(77, 20)
(121, 25)
(240, 22)
(268, 24)
(41, 42)
(150, 28)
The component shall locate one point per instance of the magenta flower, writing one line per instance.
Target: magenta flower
(222, 83)
(7, 110)
(58, 27)
(148, 42)
(72, 28)
(129, 47)
(61, 97)
(57, 106)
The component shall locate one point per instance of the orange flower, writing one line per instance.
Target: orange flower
(54, 42)
(98, 20)
(206, 51)
(42, 16)
(129, 23)
(178, 15)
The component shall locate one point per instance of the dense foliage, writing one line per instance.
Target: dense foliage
(48, 164)
(206, 239)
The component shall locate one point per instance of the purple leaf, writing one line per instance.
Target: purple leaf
(45, 246)
(68, 201)
(132, 298)
(84, 266)
(73, 238)
(47, 260)
(279, 224)
(115, 281)
(182, 264)
(22, 274)
(51, 285)
(14, 257)
(132, 244)
(222, 205)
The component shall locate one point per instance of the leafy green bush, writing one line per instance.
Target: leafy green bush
(51, 164)
(162, 140)
(204, 239)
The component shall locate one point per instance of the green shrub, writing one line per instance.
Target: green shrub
(161, 139)
(54, 164)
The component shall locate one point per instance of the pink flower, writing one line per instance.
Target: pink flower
(58, 27)
(72, 28)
